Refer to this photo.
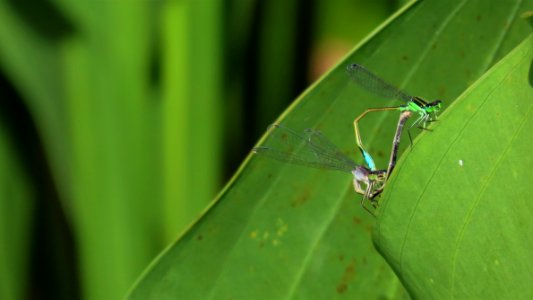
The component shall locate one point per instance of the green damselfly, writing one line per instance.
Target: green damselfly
(427, 111)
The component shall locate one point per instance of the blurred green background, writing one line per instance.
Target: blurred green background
(120, 121)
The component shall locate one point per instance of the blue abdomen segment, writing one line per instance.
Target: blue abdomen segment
(369, 160)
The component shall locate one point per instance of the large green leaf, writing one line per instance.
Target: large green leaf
(456, 222)
(281, 231)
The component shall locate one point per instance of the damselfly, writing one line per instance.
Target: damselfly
(313, 149)
(427, 111)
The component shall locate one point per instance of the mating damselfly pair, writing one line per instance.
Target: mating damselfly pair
(311, 148)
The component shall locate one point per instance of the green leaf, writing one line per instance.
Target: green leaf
(283, 231)
(456, 221)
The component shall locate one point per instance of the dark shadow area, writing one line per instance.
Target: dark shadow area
(155, 59)
(304, 34)
(241, 65)
(531, 74)
(43, 17)
(239, 61)
(53, 272)
(155, 62)
(250, 84)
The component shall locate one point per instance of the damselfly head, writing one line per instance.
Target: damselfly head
(434, 106)
(437, 103)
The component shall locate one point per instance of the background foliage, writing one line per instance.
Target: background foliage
(120, 122)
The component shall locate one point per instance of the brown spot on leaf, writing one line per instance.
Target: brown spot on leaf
(349, 274)
(200, 237)
(301, 199)
(341, 288)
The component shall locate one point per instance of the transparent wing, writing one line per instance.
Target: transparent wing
(375, 84)
(325, 147)
(312, 149)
